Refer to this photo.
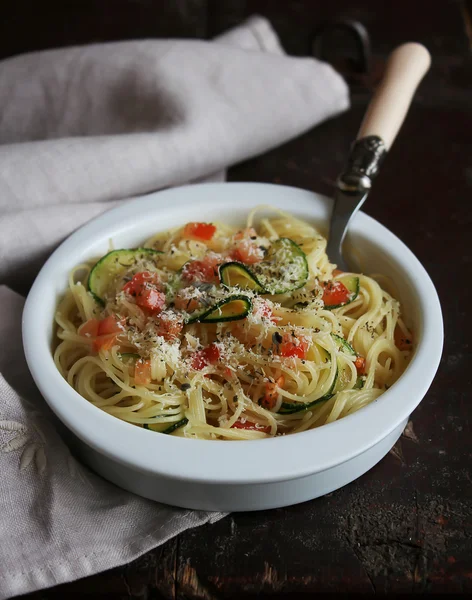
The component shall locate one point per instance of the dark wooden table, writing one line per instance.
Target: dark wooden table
(405, 526)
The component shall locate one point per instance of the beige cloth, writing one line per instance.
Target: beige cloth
(80, 130)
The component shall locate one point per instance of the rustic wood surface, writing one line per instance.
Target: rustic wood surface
(405, 526)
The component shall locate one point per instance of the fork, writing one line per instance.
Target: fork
(387, 110)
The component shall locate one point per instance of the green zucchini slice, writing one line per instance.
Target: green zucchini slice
(233, 308)
(284, 268)
(359, 382)
(325, 355)
(337, 385)
(235, 274)
(288, 408)
(353, 285)
(343, 376)
(115, 264)
(346, 346)
(175, 426)
(170, 429)
(343, 345)
(129, 356)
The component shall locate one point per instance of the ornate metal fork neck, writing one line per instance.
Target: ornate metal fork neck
(353, 187)
(365, 159)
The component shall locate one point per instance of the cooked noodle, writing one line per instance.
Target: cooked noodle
(288, 351)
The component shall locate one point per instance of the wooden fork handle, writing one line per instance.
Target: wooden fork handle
(406, 67)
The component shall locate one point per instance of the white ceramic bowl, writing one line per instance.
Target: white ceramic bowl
(230, 475)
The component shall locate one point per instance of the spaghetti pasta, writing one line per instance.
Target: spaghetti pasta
(214, 332)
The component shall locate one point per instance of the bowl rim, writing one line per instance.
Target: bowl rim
(232, 462)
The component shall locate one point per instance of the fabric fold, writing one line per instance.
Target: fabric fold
(81, 130)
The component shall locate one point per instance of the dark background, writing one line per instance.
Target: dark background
(406, 526)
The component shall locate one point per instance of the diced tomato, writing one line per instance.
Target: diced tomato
(89, 328)
(110, 325)
(246, 249)
(335, 292)
(360, 365)
(142, 372)
(290, 350)
(141, 280)
(403, 341)
(207, 356)
(247, 252)
(271, 392)
(199, 231)
(145, 287)
(108, 330)
(170, 325)
(105, 342)
(293, 347)
(228, 373)
(205, 271)
(181, 302)
(151, 300)
(249, 425)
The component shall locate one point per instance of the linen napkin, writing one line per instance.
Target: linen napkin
(82, 129)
